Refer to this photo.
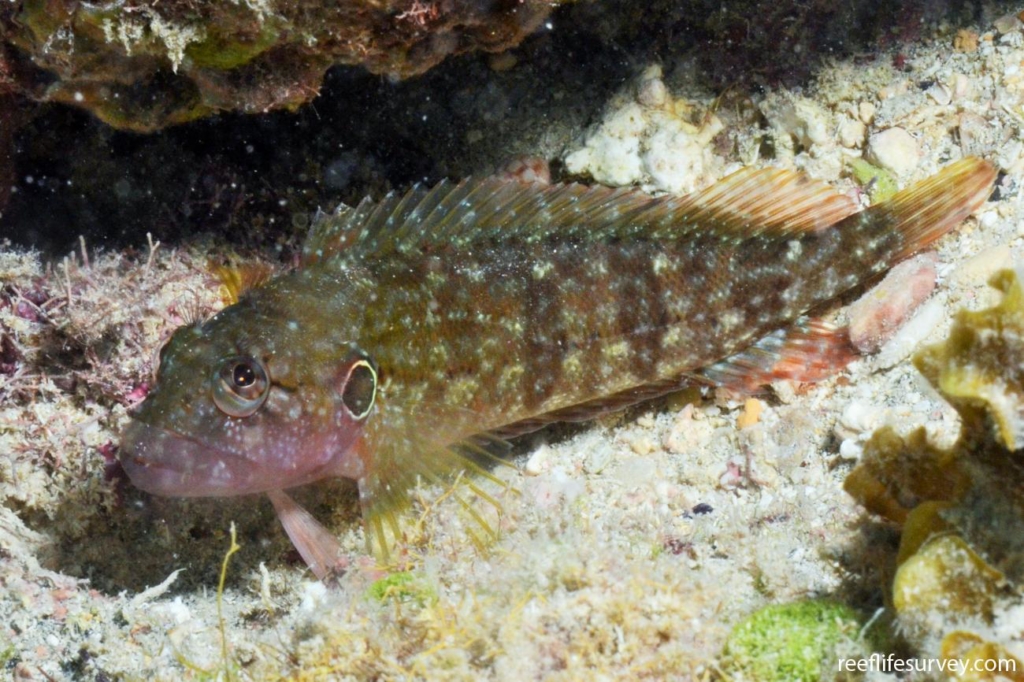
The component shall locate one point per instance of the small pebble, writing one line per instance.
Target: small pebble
(851, 133)
(785, 391)
(859, 417)
(752, 409)
(961, 86)
(1006, 24)
(866, 112)
(894, 149)
(643, 445)
(941, 94)
(850, 449)
(538, 462)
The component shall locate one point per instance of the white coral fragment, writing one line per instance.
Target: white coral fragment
(652, 141)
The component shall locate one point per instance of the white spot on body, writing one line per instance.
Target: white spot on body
(730, 320)
(659, 263)
(542, 269)
(572, 365)
(794, 249)
(615, 350)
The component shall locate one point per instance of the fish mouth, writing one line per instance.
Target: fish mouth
(164, 462)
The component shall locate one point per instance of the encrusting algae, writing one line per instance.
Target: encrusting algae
(422, 330)
(961, 556)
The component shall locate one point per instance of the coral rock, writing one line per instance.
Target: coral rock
(894, 149)
(146, 64)
(881, 311)
(962, 508)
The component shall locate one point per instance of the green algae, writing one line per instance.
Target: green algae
(795, 642)
(403, 586)
(877, 182)
(223, 50)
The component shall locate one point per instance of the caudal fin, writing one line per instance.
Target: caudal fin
(932, 207)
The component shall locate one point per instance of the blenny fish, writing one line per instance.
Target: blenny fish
(426, 327)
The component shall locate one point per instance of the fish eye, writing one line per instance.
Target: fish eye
(360, 389)
(240, 386)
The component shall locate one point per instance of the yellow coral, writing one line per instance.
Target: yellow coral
(946, 574)
(980, 369)
(975, 655)
(962, 508)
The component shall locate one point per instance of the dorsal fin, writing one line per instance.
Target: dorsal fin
(748, 202)
(238, 278)
(776, 200)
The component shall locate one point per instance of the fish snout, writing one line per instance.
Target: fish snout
(162, 462)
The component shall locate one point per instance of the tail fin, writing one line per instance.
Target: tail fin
(929, 209)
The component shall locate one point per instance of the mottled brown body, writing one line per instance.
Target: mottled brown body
(421, 324)
(516, 326)
(515, 331)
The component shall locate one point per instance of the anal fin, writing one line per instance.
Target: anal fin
(592, 409)
(810, 349)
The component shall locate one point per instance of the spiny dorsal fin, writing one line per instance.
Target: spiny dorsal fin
(238, 278)
(768, 202)
(748, 202)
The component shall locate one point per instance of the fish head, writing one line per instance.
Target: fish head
(247, 403)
